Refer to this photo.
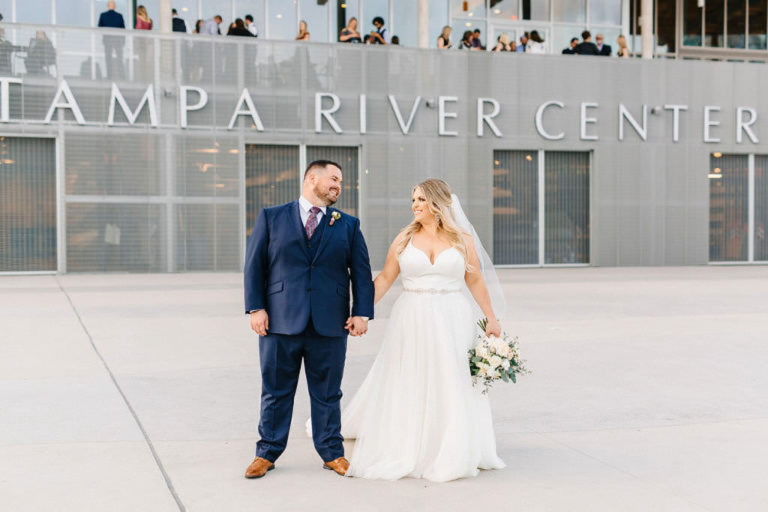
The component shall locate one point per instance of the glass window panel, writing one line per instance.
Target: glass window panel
(757, 24)
(713, 23)
(187, 10)
(73, 13)
(316, 16)
(207, 237)
(116, 237)
(505, 9)
(665, 30)
(272, 177)
(692, 23)
(515, 208)
(347, 158)
(468, 8)
(405, 24)
(33, 11)
(761, 207)
(109, 165)
(728, 207)
(605, 12)
(282, 20)
(27, 204)
(569, 11)
(566, 212)
(6, 9)
(737, 23)
(438, 18)
(535, 10)
(220, 7)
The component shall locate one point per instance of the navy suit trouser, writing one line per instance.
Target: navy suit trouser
(281, 356)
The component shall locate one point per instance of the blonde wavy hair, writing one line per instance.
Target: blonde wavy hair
(438, 196)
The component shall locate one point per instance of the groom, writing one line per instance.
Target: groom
(299, 262)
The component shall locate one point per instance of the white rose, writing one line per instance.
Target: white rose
(505, 364)
(482, 351)
(495, 361)
(494, 374)
(482, 371)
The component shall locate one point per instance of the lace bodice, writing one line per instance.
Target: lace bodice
(421, 275)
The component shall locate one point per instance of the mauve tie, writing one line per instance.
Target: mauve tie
(312, 221)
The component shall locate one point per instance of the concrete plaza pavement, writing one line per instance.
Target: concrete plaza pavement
(649, 392)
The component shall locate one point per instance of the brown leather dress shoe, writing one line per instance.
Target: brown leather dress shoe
(259, 468)
(340, 465)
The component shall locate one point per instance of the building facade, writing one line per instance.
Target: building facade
(150, 152)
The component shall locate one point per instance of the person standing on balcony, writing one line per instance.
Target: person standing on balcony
(444, 41)
(623, 49)
(179, 25)
(303, 34)
(476, 42)
(380, 35)
(586, 46)
(535, 43)
(113, 45)
(602, 49)
(522, 47)
(250, 26)
(143, 21)
(211, 27)
(349, 34)
(571, 50)
(238, 29)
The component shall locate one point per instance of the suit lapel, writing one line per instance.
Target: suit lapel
(296, 216)
(327, 232)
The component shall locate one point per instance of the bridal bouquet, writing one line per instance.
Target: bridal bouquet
(495, 358)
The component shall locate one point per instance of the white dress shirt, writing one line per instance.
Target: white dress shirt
(305, 206)
(252, 29)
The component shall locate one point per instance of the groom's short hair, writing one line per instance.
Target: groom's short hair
(320, 164)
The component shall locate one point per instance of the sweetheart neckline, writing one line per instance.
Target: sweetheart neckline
(427, 256)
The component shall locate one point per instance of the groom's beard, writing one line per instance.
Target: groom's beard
(326, 196)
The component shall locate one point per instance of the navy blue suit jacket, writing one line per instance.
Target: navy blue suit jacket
(282, 277)
(111, 19)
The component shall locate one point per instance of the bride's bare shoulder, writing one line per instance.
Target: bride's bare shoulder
(399, 239)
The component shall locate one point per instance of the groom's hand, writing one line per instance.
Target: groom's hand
(260, 321)
(356, 325)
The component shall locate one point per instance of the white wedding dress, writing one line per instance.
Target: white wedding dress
(416, 413)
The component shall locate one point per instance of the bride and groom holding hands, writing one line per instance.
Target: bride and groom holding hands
(416, 414)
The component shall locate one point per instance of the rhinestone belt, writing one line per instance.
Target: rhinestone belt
(430, 291)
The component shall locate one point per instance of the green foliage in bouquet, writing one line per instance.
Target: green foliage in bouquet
(495, 358)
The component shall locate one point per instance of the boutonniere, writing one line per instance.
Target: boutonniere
(334, 217)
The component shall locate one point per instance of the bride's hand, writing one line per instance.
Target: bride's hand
(493, 328)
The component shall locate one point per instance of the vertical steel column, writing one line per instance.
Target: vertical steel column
(646, 25)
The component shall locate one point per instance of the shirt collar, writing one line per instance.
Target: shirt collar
(306, 205)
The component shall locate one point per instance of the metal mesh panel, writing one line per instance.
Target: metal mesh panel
(102, 164)
(207, 237)
(27, 204)
(728, 208)
(515, 208)
(566, 207)
(116, 237)
(761, 207)
(272, 177)
(346, 157)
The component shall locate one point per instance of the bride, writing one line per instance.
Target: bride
(416, 413)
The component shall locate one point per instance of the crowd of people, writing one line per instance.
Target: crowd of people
(40, 54)
(587, 47)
